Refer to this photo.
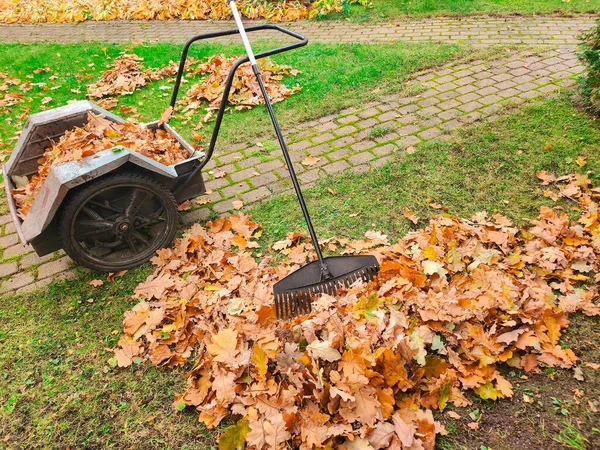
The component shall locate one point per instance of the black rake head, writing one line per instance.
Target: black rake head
(293, 294)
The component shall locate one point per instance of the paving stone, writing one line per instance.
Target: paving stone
(468, 97)
(54, 267)
(408, 141)
(336, 167)
(326, 126)
(380, 162)
(236, 189)
(360, 158)
(489, 99)
(466, 89)
(196, 216)
(468, 107)
(10, 228)
(309, 177)
(348, 119)
(225, 159)
(256, 195)
(362, 145)
(243, 174)
(430, 133)
(451, 124)
(367, 123)
(342, 142)
(224, 206)
(216, 183)
(6, 218)
(33, 259)
(247, 162)
(16, 250)
(385, 149)
(368, 113)
(16, 281)
(448, 104)
(7, 241)
(322, 138)
(427, 102)
(297, 146)
(348, 129)
(269, 165)
(408, 129)
(8, 269)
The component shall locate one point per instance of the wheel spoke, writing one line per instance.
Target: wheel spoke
(136, 201)
(108, 207)
(140, 237)
(130, 243)
(92, 227)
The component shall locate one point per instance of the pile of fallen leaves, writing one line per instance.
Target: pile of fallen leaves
(59, 11)
(96, 135)
(8, 99)
(126, 74)
(365, 370)
(245, 91)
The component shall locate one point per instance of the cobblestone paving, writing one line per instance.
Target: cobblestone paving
(355, 139)
(478, 31)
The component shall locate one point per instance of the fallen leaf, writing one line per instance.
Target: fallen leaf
(310, 161)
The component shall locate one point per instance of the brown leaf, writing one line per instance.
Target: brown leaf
(310, 161)
(410, 215)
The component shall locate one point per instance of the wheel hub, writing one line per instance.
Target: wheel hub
(123, 225)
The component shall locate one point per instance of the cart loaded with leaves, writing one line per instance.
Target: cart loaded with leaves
(106, 190)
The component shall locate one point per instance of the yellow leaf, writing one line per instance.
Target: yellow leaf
(260, 360)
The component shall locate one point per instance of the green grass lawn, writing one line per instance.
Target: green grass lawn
(390, 9)
(58, 390)
(333, 77)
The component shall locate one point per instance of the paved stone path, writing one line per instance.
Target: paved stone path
(354, 139)
(477, 31)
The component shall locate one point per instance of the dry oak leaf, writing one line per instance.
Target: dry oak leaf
(155, 287)
(410, 215)
(96, 283)
(237, 204)
(224, 346)
(165, 116)
(310, 161)
(323, 350)
(545, 177)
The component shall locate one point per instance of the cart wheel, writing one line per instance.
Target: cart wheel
(118, 222)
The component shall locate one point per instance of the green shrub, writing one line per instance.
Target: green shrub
(589, 54)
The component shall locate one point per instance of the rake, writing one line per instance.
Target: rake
(293, 294)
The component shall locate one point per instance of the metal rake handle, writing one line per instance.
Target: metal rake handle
(325, 274)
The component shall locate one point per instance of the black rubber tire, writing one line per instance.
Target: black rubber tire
(71, 209)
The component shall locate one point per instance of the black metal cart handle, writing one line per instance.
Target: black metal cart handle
(302, 41)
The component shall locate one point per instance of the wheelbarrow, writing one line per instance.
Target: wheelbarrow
(113, 210)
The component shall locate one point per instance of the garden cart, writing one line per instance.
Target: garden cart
(113, 210)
